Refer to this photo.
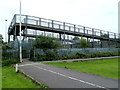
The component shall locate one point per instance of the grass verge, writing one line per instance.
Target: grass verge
(10, 79)
(105, 68)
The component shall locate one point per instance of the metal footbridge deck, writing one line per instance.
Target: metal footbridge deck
(42, 24)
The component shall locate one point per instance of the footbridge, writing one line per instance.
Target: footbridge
(34, 26)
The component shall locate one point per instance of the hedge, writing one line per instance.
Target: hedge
(8, 62)
(51, 55)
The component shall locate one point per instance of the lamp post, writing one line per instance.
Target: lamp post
(5, 30)
(20, 36)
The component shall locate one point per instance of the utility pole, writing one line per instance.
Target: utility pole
(20, 36)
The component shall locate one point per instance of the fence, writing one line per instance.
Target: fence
(14, 54)
(73, 51)
(10, 54)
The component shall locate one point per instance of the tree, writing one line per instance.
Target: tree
(105, 35)
(84, 43)
(45, 43)
(1, 39)
(76, 38)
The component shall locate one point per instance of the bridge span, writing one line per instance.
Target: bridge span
(41, 25)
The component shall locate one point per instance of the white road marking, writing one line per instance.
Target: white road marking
(28, 64)
(95, 85)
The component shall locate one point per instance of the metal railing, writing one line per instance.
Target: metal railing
(32, 20)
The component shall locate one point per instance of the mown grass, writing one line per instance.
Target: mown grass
(10, 79)
(105, 68)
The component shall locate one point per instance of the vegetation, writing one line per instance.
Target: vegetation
(105, 35)
(105, 68)
(1, 39)
(8, 62)
(76, 38)
(84, 43)
(51, 55)
(48, 56)
(45, 43)
(5, 53)
(11, 79)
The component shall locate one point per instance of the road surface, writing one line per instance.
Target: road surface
(56, 77)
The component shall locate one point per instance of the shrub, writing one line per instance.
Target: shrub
(32, 54)
(41, 57)
(81, 55)
(24, 53)
(47, 56)
(64, 57)
(51, 55)
(8, 62)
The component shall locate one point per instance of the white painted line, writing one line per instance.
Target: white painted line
(95, 85)
(28, 64)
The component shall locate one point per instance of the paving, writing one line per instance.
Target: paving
(56, 77)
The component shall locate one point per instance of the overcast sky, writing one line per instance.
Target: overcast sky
(99, 14)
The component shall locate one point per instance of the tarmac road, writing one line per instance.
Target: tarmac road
(56, 77)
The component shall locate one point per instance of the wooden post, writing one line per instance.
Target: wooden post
(16, 68)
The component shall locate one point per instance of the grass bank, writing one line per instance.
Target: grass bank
(105, 68)
(10, 79)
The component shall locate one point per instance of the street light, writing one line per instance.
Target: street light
(20, 36)
(5, 30)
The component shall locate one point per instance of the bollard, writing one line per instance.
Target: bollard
(16, 67)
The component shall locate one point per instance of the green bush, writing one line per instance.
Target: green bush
(73, 57)
(103, 54)
(47, 56)
(64, 57)
(93, 55)
(24, 53)
(81, 55)
(41, 57)
(51, 55)
(32, 54)
(8, 62)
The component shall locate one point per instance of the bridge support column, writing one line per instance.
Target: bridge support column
(13, 37)
(44, 34)
(67, 37)
(14, 34)
(93, 43)
(8, 38)
(101, 44)
(60, 36)
(87, 39)
(25, 34)
(109, 44)
(52, 34)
